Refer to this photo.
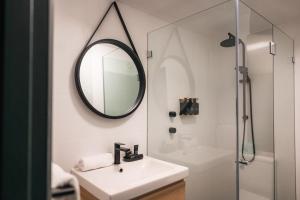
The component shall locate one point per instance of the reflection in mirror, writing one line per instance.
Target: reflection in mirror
(109, 79)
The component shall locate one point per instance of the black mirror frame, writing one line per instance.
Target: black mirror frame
(138, 65)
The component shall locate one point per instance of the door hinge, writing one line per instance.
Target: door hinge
(293, 60)
(149, 54)
(272, 48)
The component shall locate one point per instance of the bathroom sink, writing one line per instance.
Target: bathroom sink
(136, 178)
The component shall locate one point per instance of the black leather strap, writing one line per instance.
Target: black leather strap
(122, 22)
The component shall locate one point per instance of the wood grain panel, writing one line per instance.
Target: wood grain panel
(85, 195)
(175, 191)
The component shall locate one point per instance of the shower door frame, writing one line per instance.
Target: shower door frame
(237, 55)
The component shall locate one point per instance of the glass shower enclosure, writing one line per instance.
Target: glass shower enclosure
(226, 111)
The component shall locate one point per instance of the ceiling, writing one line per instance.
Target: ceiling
(171, 10)
(277, 11)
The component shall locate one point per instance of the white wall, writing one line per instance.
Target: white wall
(179, 68)
(293, 29)
(77, 131)
(260, 66)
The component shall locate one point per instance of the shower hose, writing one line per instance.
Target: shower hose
(252, 129)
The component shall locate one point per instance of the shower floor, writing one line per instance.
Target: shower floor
(246, 195)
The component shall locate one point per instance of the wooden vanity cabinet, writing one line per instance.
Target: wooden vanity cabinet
(175, 191)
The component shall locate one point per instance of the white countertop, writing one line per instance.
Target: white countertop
(138, 178)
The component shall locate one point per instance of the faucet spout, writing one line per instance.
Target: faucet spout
(117, 152)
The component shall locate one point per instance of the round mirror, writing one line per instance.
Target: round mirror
(110, 78)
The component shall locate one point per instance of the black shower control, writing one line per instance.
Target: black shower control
(172, 114)
(189, 106)
(135, 149)
(172, 130)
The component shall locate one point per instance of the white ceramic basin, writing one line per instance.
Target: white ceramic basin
(137, 178)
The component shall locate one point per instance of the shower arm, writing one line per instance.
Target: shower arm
(244, 52)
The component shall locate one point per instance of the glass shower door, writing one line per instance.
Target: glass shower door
(256, 132)
(189, 64)
(192, 104)
(284, 117)
(268, 141)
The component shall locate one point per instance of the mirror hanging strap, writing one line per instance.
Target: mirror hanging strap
(123, 25)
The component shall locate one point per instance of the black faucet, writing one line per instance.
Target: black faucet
(129, 156)
(117, 151)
